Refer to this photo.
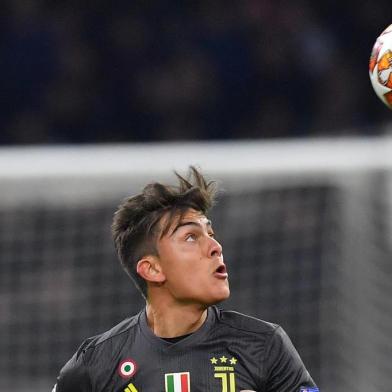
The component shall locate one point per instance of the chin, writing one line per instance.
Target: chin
(221, 297)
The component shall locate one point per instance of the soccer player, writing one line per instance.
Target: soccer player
(181, 342)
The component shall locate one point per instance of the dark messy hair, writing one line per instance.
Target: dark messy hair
(136, 227)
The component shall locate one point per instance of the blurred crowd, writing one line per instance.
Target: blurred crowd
(99, 71)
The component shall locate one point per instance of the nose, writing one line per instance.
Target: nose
(215, 248)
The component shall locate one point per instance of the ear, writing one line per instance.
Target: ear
(150, 270)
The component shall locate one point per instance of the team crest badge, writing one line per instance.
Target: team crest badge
(224, 371)
(177, 382)
(309, 389)
(127, 368)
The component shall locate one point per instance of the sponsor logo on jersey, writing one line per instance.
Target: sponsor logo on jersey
(177, 382)
(309, 389)
(127, 368)
(224, 370)
(130, 388)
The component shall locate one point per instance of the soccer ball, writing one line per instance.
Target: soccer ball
(380, 67)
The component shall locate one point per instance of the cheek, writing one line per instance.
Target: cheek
(183, 259)
(177, 261)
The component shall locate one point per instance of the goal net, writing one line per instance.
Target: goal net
(305, 228)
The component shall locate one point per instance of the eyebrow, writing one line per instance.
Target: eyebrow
(191, 223)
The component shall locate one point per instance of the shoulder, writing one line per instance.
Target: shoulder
(279, 364)
(119, 331)
(273, 336)
(109, 340)
(247, 324)
(94, 352)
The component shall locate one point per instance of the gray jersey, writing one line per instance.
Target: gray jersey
(231, 352)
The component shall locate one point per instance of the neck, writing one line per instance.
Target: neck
(173, 321)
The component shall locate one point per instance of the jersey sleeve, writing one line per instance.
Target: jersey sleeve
(74, 376)
(285, 369)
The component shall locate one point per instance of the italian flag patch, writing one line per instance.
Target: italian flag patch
(177, 382)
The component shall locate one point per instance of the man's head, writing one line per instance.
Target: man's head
(155, 230)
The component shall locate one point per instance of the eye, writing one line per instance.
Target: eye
(190, 237)
(212, 235)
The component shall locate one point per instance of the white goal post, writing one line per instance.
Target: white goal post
(70, 171)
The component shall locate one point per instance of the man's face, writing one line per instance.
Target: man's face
(192, 261)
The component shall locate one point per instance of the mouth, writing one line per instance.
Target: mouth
(221, 272)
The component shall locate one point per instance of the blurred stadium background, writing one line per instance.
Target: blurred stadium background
(305, 226)
(272, 98)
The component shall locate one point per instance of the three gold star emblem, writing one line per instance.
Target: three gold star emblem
(223, 359)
